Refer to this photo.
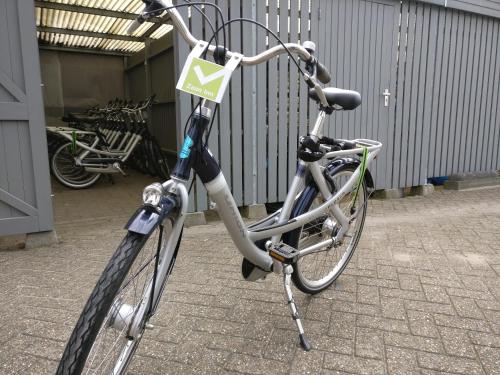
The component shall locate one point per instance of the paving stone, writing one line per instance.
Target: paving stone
(368, 294)
(369, 343)
(485, 339)
(422, 324)
(255, 365)
(354, 365)
(393, 308)
(307, 362)
(409, 282)
(435, 293)
(466, 307)
(401, 361)
(391, 325)
(465, 323)
(430, 307)
(342, 325)
(456, 342)
(413, 342)
(448, 363)
(490, 359)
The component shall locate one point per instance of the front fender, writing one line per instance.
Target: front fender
(147, 218)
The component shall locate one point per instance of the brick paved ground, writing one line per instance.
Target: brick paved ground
(421, 295)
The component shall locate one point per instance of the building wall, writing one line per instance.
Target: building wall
(76, 81)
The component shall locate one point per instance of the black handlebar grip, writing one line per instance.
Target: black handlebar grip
(322, 73)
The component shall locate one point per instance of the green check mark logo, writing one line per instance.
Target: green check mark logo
(207, 79)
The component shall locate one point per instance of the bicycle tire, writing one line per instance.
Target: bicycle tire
(96, 314)
(304, 203)
(75, 177)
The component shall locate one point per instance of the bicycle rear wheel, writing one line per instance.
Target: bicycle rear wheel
(67, 172)
(316, 271)
(101, 342)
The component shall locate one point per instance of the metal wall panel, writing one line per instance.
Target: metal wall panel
(25, 203)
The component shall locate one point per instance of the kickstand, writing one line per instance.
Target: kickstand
(287, 277)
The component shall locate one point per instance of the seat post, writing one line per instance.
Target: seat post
(317, 130)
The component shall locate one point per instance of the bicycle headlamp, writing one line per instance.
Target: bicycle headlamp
(152, 194)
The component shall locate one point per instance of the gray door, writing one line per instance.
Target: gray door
(25, 204)
(363, 56)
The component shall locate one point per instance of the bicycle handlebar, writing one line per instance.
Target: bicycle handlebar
(322, 73)
(182, 28)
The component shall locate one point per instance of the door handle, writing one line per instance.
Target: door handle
(386, 94)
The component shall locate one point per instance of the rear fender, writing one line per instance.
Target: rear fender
(337, 164)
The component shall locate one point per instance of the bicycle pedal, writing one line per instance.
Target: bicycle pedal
(284, 253)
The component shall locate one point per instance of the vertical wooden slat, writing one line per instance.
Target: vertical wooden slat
(197, 23)
(388, 77)
(353, 30)
(248, 106)
(335, 44)
(303, 98)
(293, 92)
(318, 17)
(455, 100)
(471, 125)
(418, 177)
(380, 121)
(413, 120)
(434, 126)
(225, 113)
(182, 100)
(272, 159)
(488, 80)
(261, 109)
(283, 105)
(480, 141)
(478, 95)
(494, 163)
(448, 77)
(461, 59)
(360, 62)
(236, 105)
(452, 82)
(210, 12)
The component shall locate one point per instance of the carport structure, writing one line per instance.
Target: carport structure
(93, 27)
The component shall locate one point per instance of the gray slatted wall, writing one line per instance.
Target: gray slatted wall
(447, 118)
(441, 66)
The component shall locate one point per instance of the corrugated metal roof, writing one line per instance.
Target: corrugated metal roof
(74, 21)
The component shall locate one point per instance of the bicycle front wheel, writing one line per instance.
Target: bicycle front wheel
(317, 270)
(101, 342)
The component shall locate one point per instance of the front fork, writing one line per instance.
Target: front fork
(132, 317)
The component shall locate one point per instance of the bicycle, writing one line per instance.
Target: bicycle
(101, 141)
(310, 240)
